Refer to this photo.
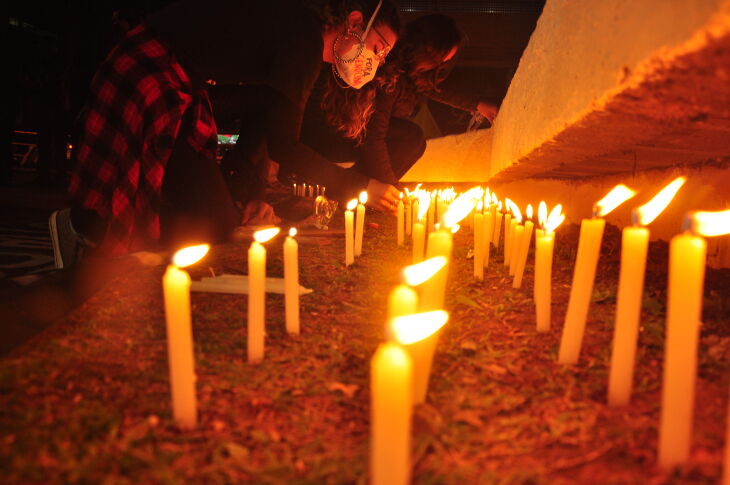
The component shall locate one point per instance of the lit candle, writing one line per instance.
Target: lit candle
(349, 233)
(296, 192)
(403, 300)
(479, 231)
(497, 224)
(419, 231)
(524, 249)
(418, 334)
(517, 230)
(634, 245)
(487, 237)
(440, 243)
(391, 381)
(508, 231)
(431, 212)
(291, 282)
(257, 293)
(360, 223)
(180, 358)
(687, 259)
(545, 241)
(401, 222)
(311, 190)
(589, 247)
(409, 213)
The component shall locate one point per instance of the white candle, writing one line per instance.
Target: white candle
(350, 233)
(508, 228)
(524, 249)
(418, 334)
(291, 282)
(401, 222)
(257, 294)
(634, 246)
(488, 231)
(360, 223)
(589, 248)
(419, 241)
(440, 243)
(391, 381)
(479, 245)
(409, 215)
(544, 244)
(181, 360)
(497, 225)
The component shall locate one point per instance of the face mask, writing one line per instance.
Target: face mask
(354, 63)
(360, 70)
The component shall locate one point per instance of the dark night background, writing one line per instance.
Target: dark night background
(56, 46)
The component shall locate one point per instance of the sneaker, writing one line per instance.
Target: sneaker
(68, 245)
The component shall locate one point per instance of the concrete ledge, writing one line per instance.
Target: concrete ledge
(454, 158)
(617, 86)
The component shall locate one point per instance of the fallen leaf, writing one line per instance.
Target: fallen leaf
(348, 390)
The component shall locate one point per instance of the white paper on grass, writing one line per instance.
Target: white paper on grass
(233, 283)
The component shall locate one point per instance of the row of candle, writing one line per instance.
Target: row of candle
(684, 305)
(432, 295)
(308, 190)
(176, 290)
(401, 367)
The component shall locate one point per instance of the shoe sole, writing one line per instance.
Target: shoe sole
(52, 228)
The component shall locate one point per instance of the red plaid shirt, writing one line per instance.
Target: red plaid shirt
(138, 98)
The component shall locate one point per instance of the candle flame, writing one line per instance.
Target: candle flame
(363, 197)
(400, 195)
(515, 211)
(542, 214)
(460, 208)
(421, 272)
(265, 234)
(529, 211)
(190, 255)
(352, 204)
(409, 329)
(455, 228)
(649, 211)
(292, 231)
(495, 199)
(499, 206)
(424, 200)
(617, 196)
(707, 223)
(555, 218)
(480, 206)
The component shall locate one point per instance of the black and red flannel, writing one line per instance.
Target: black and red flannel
(138, 98)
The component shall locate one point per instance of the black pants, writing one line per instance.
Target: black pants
(196, 205)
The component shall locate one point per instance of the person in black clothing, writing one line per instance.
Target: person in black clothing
(144, 174)
(376, 133)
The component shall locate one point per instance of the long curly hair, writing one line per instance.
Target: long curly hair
(349, 110)
(416, 61)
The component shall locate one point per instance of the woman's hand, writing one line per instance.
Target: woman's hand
(488, 110)
(382, 196)
(258, 213)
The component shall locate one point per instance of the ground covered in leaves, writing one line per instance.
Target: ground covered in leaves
(89, 401)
